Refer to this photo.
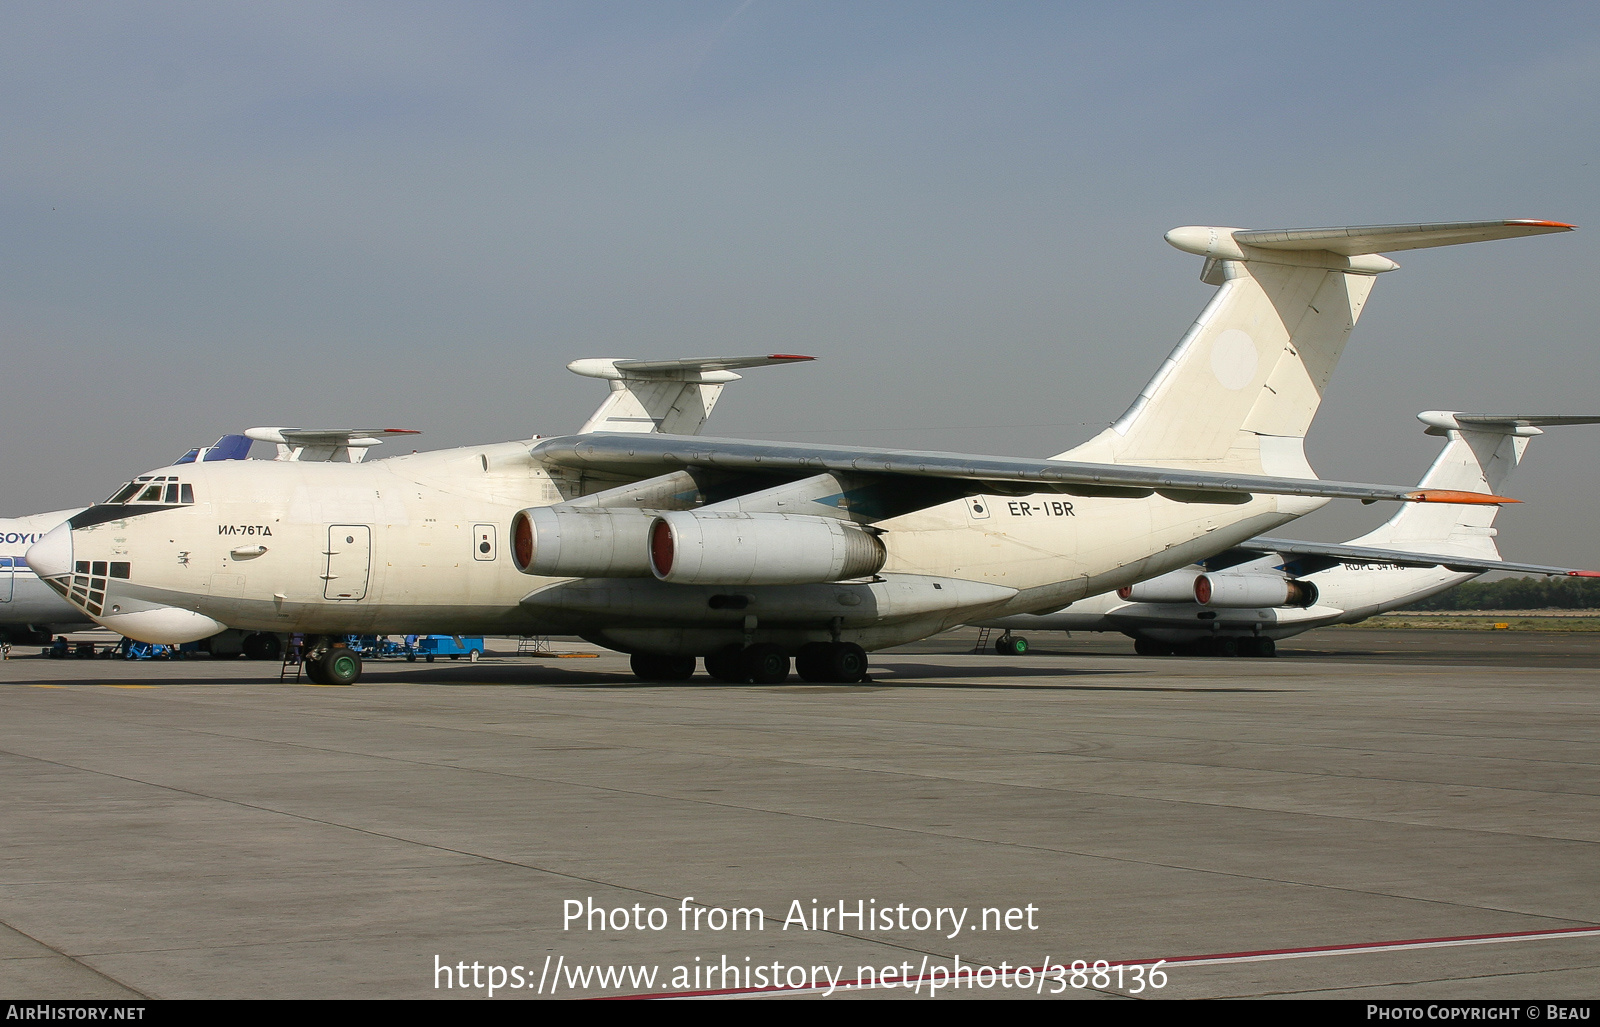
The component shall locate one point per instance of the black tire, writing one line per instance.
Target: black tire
(430, 657)
(814, 663)
(1011, 645)
(657, 667)
(765, 664)
(263, 646)
(1149, 647)
(727, 667)
(313, 671)
(847, 663)
(341, 666)
(1226, 645)
(1266, 647)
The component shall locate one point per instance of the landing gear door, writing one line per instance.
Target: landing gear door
(349, 561)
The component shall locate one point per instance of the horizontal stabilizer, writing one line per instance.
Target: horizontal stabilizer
(673, 397)
(1387, 238)
(683, 368)
(337, 445)
(1402, 557)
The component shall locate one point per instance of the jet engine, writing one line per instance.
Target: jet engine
(735, 548)
(1173, 587)
(1243, 591)
(581, 543)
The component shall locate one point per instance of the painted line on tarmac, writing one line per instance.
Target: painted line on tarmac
(1210, 959)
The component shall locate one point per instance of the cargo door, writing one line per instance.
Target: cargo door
(349, 561)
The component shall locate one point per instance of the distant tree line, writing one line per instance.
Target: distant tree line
(1517, 594)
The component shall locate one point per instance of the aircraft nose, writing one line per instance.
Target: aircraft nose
(51, 556)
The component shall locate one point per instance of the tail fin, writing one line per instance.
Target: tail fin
(673, 397)
(1241, 387)
(1481, 453)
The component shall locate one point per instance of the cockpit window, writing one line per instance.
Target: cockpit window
(163, 489)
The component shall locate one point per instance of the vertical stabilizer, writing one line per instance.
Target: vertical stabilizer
(1241, 387)
(1481, 452)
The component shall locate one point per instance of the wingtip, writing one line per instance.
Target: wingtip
(788, 356)
(1536, 223)
(1461, 498)
(1583, 574)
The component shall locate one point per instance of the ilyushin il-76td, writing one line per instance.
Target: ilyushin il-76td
(748, 554)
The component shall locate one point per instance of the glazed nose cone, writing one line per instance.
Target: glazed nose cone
(51, 556)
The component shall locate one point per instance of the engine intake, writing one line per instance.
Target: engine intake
(580, 543)
(1172, 587)
(698, 548)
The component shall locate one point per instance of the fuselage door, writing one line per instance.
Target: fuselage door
(349, 561)
(7, 576)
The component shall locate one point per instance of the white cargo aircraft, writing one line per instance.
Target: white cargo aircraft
(750, 553)
(1242, 601)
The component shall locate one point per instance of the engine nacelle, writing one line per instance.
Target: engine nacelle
(699, 548)
(581, 543)
(1244, 591)
(1172, 587)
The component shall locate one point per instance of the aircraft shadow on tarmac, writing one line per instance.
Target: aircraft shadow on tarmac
(884, 677)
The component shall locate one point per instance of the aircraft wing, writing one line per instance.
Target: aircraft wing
(1258, 547)
(646, 456)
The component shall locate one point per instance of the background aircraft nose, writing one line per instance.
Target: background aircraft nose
(51, 556)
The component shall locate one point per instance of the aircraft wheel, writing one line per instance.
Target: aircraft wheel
(847, 662)
(313, 669)
(1149, 647)
(765, 664)
(1011, 645)
(263, 646)
(812, 663)
(340, 667)
(1227, 645)
(656, 667)
(726, 667)
(1266, 647)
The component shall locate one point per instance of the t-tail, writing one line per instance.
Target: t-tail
(672, 397)
(1482, 451)
(1240, 389)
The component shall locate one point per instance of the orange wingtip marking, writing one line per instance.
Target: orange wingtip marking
(787, 356)
(1583, 574)
(1541, 224)
(1450, 496)
(402, 431)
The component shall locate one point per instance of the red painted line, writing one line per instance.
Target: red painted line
(1215, 957)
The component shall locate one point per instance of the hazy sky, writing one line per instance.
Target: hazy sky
(224, 215)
